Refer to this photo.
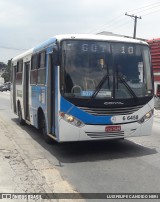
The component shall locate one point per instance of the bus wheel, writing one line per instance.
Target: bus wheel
(21, 120)
(47, 139)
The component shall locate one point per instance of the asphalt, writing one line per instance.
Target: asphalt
(15, 167)
(24, 165)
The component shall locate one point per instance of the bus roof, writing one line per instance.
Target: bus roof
(52, 41)
(99, 37)
(22, 55)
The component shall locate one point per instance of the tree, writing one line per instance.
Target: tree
(7, 73)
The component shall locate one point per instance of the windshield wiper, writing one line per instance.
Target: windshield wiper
(99, 86)
(124, 82)
(127, 86)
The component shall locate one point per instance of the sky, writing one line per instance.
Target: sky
(26, 23)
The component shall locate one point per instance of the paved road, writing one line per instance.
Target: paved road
(26, 164)
(126, 166)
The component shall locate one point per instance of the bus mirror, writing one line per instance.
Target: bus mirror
(55, 56)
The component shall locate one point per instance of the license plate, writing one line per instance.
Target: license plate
(112, 128)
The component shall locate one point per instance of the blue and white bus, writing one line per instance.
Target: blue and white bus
(85, 87)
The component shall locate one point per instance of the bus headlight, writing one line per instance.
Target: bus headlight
(71, 119)
(146, 117)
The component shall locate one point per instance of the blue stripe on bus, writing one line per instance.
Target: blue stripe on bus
(44, 45)
(86, 118)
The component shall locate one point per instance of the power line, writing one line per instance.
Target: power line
(107, 23)
(12, 48)
(151, 12)
(116, 23)
(151, 8)
(142, 8)
(121, 25)
(116, 20)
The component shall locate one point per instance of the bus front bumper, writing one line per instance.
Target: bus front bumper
(68, 132)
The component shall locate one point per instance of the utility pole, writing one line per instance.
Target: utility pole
(135, 23)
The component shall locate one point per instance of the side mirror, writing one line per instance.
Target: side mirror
(55, 56)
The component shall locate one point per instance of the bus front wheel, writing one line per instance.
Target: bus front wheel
(43, 127)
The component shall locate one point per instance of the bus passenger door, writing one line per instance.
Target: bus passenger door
(26, 91)
(14, 88)
(51, 96)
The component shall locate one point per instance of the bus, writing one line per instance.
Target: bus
(81, 87)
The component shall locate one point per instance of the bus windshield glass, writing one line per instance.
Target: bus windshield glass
(105, 70)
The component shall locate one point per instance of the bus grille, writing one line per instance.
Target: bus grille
(119, 134)
(111, 111)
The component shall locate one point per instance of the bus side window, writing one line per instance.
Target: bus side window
(41, 68)
(19, 72)
(33, 78)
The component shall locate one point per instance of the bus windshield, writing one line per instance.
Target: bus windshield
(105, 70)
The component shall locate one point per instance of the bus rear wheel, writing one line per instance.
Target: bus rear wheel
(21, 120)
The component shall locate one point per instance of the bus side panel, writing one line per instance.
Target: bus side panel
(38, 96)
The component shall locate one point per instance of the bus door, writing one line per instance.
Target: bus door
(51, 95)
(14, 88)
(26, 90)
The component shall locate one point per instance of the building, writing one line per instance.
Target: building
(155, 56)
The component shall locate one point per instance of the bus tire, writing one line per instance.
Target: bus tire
(47, 139)
(21, 120)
